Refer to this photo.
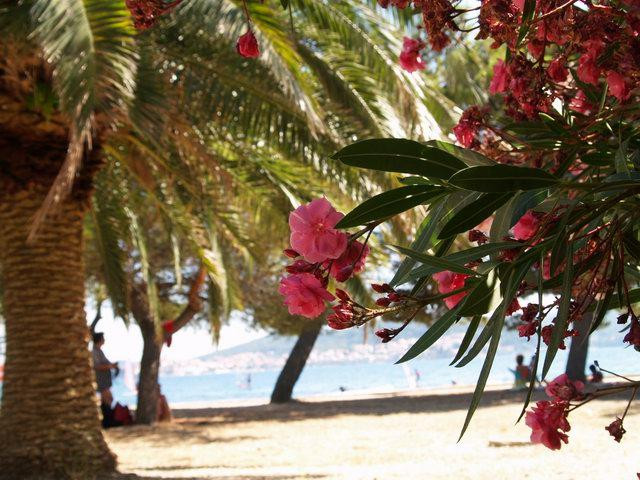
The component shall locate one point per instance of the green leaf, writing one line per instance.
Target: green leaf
(474, 213)
(516, 274)
(534, 375)
(468, 336)
(496, 332)
(601, 310)
(470, 157)
(478, 301)
(422, 242)
(462, 257)
(434, 332)
(513, 282)
(401, 156)
(502, 219)
(562, 319)
(439, 263)
(388, 204)
(502, 178)
(621, 160)
(525, 202)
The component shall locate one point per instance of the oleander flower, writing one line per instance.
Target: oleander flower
(247, 45)
(313, 234)
(304, 294)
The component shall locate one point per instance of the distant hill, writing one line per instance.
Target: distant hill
(333, 346)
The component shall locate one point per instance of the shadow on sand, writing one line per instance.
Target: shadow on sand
(381, 405)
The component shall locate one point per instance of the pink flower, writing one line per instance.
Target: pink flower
(618, 86)
(410, 58)
(449, 282)
(304, 294)
(468, 126)
(312, 232)
(500, 78)
(247, 45)
(528, 329)
(563, 389)
(527, 226)
(557, 70)
(519, 4)
(633, 336)
(580, 104)
(545, 420)
(588, 69)
(616, 430)
(350, 262)
(465, 134)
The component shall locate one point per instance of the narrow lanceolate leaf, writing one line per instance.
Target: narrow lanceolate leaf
(401, 156)
(468, 336)
(439, 263)
(601, 310)
(434, 332)
(484, 373)
(479, 300)
(473, 214)
(513, 282)
(502, 219)
(389, 203)
(502, 178)
(462, 257)
(470, 157)
(562, 319)
(526, 201)
(422, 242)
(534, 375)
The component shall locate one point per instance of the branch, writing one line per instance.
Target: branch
(97, 317)
(194, 305)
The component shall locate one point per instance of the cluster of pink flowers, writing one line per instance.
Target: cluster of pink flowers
(598, 43)
(410, 56)
(320, 251)
(548, 419)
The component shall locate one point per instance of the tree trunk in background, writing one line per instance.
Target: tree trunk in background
(147, 409)
(295, 363)
(49, 422)
(577, 361)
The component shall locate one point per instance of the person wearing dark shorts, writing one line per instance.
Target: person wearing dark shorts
(102, 366)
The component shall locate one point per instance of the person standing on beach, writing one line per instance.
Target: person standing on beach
(102, 366)
(522, 374)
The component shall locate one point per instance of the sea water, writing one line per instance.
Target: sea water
(351, 378)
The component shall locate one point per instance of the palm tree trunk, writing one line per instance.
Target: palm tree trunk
(147, 408)
(295, 363)
(577, 361)
(49, 422)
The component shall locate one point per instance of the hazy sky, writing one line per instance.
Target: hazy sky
(122, 343)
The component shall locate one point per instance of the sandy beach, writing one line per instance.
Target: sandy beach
(409, 435)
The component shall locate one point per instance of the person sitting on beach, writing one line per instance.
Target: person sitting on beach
(522, 374)
(596, 375)
(102, 366)
(164, 412)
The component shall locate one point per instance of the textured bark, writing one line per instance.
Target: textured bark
(153, 340)
(294, 365)
(147, 408)
(49, 422)
(577, 360)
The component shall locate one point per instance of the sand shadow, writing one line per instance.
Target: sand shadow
(383, 405)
